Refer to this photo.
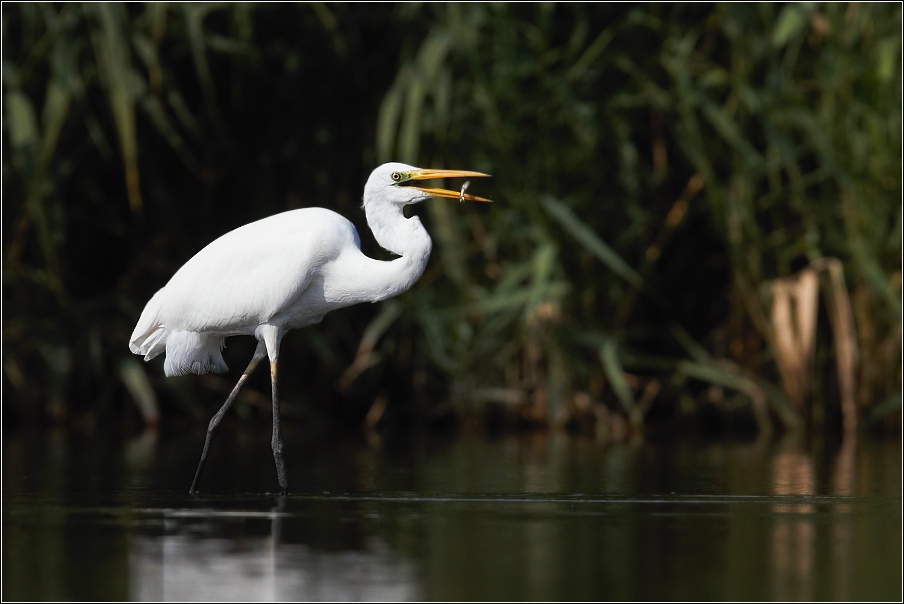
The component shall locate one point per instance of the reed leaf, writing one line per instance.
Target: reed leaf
(593, 119)
(113, 61)
(590, 240)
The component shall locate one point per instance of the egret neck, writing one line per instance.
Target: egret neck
(406, 237)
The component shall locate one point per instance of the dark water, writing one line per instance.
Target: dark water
(543, 517)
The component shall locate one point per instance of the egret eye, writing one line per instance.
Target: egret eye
(397, 176)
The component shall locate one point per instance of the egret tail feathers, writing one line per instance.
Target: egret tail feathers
(186, 351)
(150, 345)
(193, 352)
(149, 336)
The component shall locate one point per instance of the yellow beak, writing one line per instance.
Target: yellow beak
(433, 174)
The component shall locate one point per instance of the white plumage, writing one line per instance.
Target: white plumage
(285, 272)
(272, 271)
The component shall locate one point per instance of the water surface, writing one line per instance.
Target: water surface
(542, 517)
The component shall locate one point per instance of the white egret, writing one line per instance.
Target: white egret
(285, 272)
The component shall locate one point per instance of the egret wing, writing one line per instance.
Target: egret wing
(252, 274)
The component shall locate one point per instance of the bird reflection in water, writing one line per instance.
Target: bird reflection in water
(185, 564)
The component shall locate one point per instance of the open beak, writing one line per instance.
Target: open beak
(432, 174)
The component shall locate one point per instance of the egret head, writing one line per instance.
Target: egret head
(400, 184)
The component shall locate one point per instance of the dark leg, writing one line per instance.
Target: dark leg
(259, 354)
(277, 442)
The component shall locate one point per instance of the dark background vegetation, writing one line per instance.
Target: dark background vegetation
(660, 173)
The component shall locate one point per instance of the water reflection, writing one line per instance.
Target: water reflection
(792, 560)
(793, 533)
(194, 561)
(187, 567)
(516, 519)
(842, 535)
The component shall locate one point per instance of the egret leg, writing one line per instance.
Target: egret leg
(277, 442)
(259, 354)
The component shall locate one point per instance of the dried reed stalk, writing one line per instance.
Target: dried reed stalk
(845, 335)
(794, 311)
(794, 308)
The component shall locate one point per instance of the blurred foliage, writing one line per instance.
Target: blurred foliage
(656, 168)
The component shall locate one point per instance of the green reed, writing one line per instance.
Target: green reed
(655, 168)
